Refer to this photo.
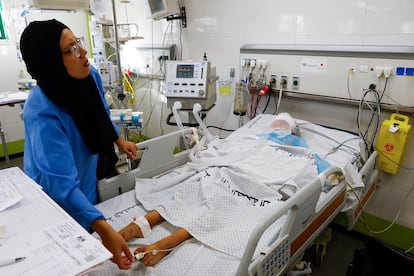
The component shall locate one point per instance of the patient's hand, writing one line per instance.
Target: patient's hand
(151, 258)
(158, 250)
(131, 231)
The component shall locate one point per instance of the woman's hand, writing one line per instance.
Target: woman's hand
(115, 243)
(127, 147)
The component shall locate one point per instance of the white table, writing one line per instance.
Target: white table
(51, 241)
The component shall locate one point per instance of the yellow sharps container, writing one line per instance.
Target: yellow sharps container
(392, 142)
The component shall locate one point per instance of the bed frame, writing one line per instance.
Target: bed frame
(369, 173)
(158, 157)
(307, 213)
(300, 229)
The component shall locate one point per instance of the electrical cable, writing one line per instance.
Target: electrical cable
(260, 95)
(148, 83)
(383, 91)
(375, 114)
(164, 45)
(392, 161)
(340, 144)
(129, 89)
(279, 100)
(110, 56)
(153, 106)
(347, 82)
(267, 102)
(394, 220)
(161, 117)
(220, 128)
(364, 220)
(258, 98)
(252, 102)
(181, 42)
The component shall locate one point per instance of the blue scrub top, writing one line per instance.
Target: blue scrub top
(56, 157)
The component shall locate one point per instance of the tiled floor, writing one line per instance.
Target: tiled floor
(15, 161)
(339, 253)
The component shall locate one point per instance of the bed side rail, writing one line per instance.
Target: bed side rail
(157, 158)
(369, 171)
(369, 174)
(300, 205)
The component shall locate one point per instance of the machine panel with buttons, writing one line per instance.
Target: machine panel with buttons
(187, 79)
(190, 82)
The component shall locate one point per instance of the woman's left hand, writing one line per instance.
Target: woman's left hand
(127, 147)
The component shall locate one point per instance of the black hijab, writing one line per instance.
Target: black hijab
(41, 52)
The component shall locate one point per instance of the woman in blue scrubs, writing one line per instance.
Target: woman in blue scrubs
(69, 137)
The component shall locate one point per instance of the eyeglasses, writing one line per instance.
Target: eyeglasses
(76, 48)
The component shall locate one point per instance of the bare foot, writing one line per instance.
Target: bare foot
(150, 258)
(130, 231)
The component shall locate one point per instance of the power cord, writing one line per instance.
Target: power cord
(375, 107)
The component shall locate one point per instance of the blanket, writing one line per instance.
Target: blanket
(222, 196)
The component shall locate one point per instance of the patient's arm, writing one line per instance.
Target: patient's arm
(155, 251)
(132, 230)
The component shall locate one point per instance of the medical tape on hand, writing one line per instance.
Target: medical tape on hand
(144, 225)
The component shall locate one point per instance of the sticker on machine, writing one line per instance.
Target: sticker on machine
(313, 65)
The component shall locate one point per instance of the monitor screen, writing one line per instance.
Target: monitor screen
(185, 71)
(156, 6)
(163, 8)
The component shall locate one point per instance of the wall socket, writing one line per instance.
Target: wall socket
(295, 83)
(283, 82)
(273, 80)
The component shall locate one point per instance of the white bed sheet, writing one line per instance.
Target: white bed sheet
(221, 197)
(323, 141)
(193, 257)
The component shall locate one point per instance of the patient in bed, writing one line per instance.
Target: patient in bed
(284, 132)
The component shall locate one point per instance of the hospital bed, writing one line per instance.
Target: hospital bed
(281, 238)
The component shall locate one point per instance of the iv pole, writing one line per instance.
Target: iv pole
(118, 55)
(118, 58)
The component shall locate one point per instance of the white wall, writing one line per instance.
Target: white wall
(12, 68)
(221, 27)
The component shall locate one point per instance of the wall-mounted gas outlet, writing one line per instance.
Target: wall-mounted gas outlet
(273, 80)
(283, 82)
(295, 83)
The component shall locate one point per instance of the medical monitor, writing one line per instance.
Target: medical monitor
(190, 82)
(163, 8)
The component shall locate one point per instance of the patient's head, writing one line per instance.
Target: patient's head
(284, 124)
